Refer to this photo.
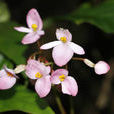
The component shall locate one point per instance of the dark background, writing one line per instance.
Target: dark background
(94, 90)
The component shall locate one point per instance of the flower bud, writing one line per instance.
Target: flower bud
(101, 67)
(19, 68)
(89, 63)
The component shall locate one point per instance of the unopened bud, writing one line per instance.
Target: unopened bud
(101, 67)
(89, 63)
(19, 68)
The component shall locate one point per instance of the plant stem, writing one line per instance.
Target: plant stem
(61, 108)
(49, 63)
(66, 66)
(71, 106)
(79, 59)
(38, 43)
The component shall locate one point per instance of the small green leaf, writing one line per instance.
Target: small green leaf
(101, 15)
(4, 12)
(5, 61)
(21, 99)
(10, 43)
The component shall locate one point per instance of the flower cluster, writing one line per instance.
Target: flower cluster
(62, 53)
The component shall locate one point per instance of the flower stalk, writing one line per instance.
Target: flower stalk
(59, 103)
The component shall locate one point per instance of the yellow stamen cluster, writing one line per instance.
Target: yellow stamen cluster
(38, 75)
(34, 27)
(62, 77)
(10, 74)
(63, 39)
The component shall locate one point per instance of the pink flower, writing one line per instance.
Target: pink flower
(63, 49)
(38, 71)
(7, 78)
(69, 85)
(101, 67)
(35, 25)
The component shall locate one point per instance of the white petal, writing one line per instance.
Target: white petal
(69, 86)
(40, 32)
(63, 33)
(76, 48)
(23, 29)
(50, 45)
(62, 54)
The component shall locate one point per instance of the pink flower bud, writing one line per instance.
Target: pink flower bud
(101, 67)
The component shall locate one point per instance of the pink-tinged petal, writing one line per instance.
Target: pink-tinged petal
(60, 72)
(2, 73)
(30, 38)
(55, 79)
(34, 66)
(50, 45)
(76, 48)
(6, 81)
(101, 67)
(69, 86)
(55, 75)
(63, 33)
(43, 86)
(33, 17)
(31, 69)
(40, 32)
(62, 54)
(9, 70)
(48, 69)
(23, 29)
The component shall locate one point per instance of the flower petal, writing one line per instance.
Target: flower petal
(30, 38)
(76, 48)
(48, 69)
(50, 45)
(34, 66)
(69, 86)
(40, 32)
(33, 17)
(31, 69)
(3, 73)
(7, 70)
(55, 75)
(62, 54)
(23, 29)
(20, 68)
(60, 72)
(63, 33)
(55, 79)
(43, 86)
(101, 67)
(6, 81)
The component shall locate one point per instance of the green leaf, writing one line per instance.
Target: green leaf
(5, 61)
(101, 15)
(21, 99)
(4, 12)
(10, 43)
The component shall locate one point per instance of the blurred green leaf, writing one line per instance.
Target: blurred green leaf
(10, 43)
(4, 12)
(48, 22)
(21, 99)
(101, 15)
(5, 61)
